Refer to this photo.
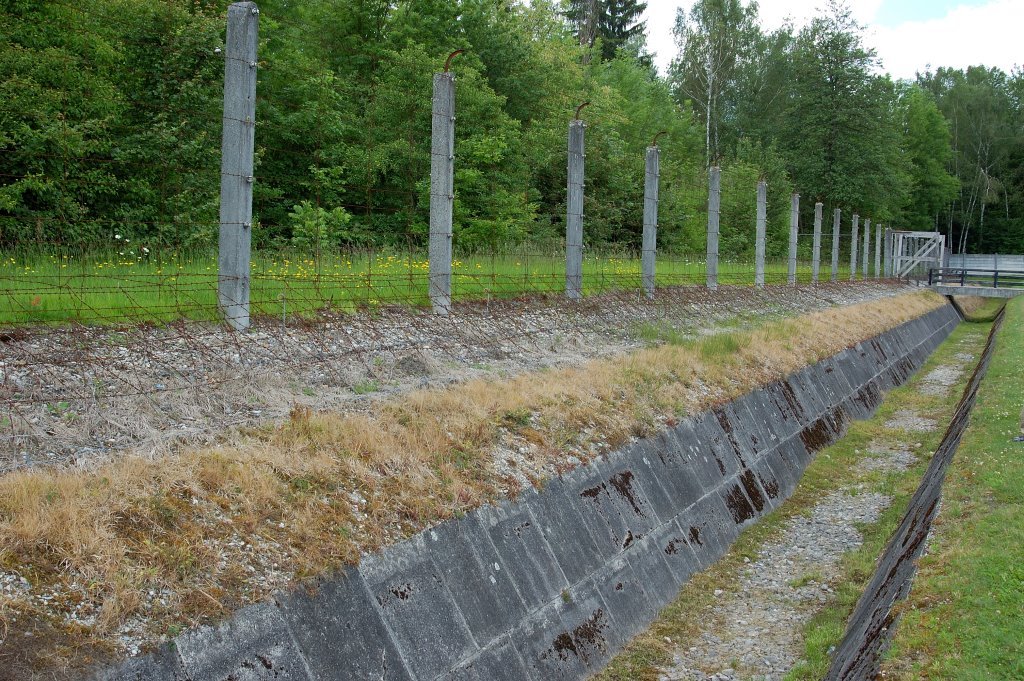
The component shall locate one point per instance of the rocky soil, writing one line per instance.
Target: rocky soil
(79, 395)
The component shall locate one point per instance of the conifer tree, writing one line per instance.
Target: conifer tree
(615, 22)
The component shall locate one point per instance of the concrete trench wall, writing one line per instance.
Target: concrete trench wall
(552, 585)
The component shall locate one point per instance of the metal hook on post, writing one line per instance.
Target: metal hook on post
(654, 142)
(448, 61)
(578, 109)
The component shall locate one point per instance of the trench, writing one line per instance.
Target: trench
(552, 585)
(874, 619)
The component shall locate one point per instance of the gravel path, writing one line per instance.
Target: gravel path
(755, 632)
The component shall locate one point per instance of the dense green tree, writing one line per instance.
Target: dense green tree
(619, 23)
(983, 108)
(928, 151)
(108, 121)
(756, 102)
(840, 133)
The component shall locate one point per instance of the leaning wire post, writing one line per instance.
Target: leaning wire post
(442, 188)
(574, 207)
(649, 244)
(234, 248)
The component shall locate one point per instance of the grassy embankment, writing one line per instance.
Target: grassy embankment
(836, 467)
(308, 496)
(138, 287)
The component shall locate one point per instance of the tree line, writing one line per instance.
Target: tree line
(110, 114)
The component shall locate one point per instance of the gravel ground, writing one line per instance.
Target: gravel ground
(910, 421)
(939, 381)
(755, 632)
(79, 395)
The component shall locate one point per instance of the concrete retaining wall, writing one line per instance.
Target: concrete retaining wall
(552, 585)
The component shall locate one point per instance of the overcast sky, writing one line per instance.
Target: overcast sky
(909, 35)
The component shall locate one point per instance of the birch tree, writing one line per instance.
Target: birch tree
(713, 39)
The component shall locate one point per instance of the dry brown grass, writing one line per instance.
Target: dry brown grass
(187, 537)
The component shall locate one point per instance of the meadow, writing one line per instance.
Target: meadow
(138, 286)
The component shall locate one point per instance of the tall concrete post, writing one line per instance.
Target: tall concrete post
(816, 248)
(853, 247)
(794, 231)
(442, 191)
(888, 253)
(878, 251)
(574, 213)
(866, 258)
(648, 256)
(760, 232)
(236, 165)
(714, 213)
(836, 216)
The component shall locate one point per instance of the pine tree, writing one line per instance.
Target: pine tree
(618, 23)
(615, 22)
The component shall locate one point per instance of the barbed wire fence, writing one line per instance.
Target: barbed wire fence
(142, 345)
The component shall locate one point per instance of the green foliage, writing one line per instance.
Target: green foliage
(840, 136)
(609, 24)
(985, 112)
(112, 120)
(927, 146)
(715, 39)
(316, 229)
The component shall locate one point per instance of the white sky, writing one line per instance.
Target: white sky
(908, 35)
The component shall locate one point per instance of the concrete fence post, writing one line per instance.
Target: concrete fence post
(887, 264)
(853, 247)
(836, 216)
(878, 251)
(760, 233)
(816, 249)
(648, 257)
(236, 165)
(794, 231)
(574, 213)
(867, 249)
(714, 210)
(442, 191)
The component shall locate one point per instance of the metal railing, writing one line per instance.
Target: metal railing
(960, 276)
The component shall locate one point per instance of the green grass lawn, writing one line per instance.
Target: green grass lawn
(965, 615)
(132, 286)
